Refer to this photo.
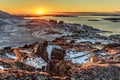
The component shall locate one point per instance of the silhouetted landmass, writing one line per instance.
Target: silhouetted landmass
(72, 14)
(112, 19)
(93, 20)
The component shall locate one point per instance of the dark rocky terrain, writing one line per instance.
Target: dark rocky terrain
(50, 50)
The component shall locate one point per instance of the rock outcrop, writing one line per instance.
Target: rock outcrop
(58, 54)
(4, 15)
(112, 48)
(60, 68)
(18, 54)
(42, 51)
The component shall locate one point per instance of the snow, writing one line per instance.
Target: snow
(9, 21)
(9, 55)
(37, 62)
(1, 67)
(68, 41)
(44, 35)
(12, 35)
(66, 33)
(50, 48)
(77, 57)
(55, 35)
(27, 51)
(93, 40)
(97, 47)
(37, 34)
(4, 15)
(118, 54)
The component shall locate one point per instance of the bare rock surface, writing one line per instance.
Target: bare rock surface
(58, 54)
(98, 73)
(23, 75)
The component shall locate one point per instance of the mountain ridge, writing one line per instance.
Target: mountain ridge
(5, 15)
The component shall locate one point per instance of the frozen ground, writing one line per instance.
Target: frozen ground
(36, 62)
(13, 35)
(77, 57)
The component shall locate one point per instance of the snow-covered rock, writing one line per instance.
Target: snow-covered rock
(102, 41)
(36, 62)
(1, 67)
(77, 57)
(4, 15)
(11, 56)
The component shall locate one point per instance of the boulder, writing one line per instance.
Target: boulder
(61, 22)
(72, 41)
(42, 51)
(54, 22)
(58, 54)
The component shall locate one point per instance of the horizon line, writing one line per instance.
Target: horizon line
(64, 12)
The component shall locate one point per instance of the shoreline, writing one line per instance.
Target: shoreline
(102, 24)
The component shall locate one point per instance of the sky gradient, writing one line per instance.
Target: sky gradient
(31, 6)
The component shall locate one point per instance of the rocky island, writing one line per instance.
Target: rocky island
(112, 19)
(37, 49)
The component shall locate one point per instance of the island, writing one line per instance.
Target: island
(112, 19)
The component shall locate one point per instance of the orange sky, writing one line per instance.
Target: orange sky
(33, 6)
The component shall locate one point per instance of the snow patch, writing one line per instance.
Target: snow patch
(55, 35)
(68, 41)
(67, 33)
(77, 57)
(1, 67)
(10, 55)
(94, 40)
(37, 62)
(27, 51)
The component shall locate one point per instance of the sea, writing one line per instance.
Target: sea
(101, 24)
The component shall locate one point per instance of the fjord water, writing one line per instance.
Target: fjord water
(101, 24)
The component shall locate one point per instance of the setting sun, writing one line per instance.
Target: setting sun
(40, 12)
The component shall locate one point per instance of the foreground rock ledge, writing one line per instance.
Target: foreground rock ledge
(23, 75)
(46, 61)
(86, 72)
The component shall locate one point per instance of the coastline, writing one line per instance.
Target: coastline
(102, 24)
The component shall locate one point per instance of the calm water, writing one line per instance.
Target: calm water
(102, 24)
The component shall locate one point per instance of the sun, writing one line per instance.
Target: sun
(40, 12)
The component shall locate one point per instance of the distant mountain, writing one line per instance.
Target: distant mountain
(4, 15)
